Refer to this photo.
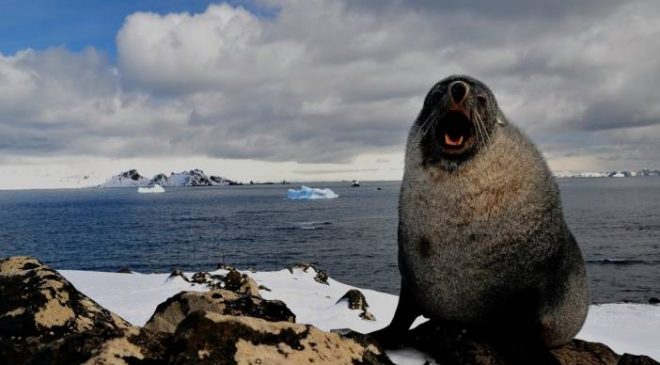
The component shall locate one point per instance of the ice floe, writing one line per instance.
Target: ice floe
(307, 193)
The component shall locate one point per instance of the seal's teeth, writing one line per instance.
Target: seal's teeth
(451, 142)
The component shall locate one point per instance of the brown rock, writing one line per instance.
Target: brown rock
(356, 300)
(38, 306)
(320, 277)
(201, 278)
(240, 283)
(121, 347)
(579, 352)
(210, 338)
(170, 313)
(179, 273)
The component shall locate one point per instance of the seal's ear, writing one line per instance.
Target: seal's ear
(500, 119)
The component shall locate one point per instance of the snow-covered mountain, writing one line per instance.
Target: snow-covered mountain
(624, 173)
(195, 177)
(130, 178)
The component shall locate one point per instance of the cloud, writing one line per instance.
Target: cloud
(326, 81)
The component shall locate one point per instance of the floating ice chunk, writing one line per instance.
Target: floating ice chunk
(311, 225)
(151, 189)
(305, 192)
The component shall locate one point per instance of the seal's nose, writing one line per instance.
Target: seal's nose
(458, 91)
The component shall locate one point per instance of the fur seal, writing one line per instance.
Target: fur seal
(482, 237)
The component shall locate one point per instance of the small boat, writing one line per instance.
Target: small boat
(155, 188)
(355, 184)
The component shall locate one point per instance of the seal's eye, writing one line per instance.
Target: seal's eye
(482, 100)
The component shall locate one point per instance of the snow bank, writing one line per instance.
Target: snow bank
(631, 328)
(625, 327)
(151, 189)
(306, 192)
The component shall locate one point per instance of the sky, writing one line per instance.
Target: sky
(312, 89)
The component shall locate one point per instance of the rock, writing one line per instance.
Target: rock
(107, 346)
(452, 344)
(579, 352)
(201, 278)
(321, 275)
(234, 281)
(628, 359)
(367, 316)
(356, 300)
(170, 313)
(263, 287)
(211, 338)
(118, 347)
(179, 273)
(39, 306)
(304, 266)
(45, 320)
(240, 283)
(654, 300)
(223, 266)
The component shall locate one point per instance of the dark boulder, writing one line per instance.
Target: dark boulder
(453, 344)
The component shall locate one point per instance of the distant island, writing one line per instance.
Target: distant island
(195, 177)
(624, 173)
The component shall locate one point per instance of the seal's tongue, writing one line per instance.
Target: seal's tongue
(453, 141)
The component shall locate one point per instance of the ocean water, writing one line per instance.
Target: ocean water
(353, 237)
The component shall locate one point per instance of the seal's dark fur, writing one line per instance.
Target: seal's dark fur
(482, 237)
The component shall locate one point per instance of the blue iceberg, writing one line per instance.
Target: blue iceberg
(307, 193)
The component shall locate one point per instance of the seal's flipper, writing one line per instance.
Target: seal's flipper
(394, 335)
(515, 330)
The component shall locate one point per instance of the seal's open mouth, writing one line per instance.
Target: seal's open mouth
(455, 131)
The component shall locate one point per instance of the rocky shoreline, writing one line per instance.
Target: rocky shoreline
(44, 319)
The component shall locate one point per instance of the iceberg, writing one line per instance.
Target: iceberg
(307, 193)
(151, 189)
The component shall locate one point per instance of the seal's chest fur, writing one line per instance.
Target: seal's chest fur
(467, 236)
